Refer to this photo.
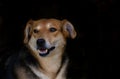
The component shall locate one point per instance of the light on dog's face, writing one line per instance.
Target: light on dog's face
(48, 35)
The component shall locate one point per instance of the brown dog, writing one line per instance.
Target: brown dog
(45, 41)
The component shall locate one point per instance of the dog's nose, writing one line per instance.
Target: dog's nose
(40, 42)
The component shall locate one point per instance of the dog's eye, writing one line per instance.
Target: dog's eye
(53, 29)
(35, 31)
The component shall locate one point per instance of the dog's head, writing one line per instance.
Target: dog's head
(47, 36)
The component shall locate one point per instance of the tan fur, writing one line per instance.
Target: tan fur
(51, 63)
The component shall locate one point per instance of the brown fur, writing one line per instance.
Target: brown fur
(55, 32)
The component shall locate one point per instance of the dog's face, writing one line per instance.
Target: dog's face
(48, 36)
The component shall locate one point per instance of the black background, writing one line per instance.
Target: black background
(95, 21)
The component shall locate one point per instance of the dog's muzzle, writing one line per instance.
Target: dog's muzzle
(42, 49)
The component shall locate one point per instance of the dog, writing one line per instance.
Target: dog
(43, 56)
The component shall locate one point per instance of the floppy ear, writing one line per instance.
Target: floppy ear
(68, 29)
(27, 31)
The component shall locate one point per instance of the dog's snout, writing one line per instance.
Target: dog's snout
(40, 42)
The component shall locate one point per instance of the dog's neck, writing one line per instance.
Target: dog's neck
(50, 65)
(46, 75)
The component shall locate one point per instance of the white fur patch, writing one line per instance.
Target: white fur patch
(49, 25)
(38, 27)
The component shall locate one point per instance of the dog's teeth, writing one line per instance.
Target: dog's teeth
(45, 51)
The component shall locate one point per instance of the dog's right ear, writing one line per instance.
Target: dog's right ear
(27, 31)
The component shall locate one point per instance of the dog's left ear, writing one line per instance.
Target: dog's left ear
(68, 29)
(27, 31)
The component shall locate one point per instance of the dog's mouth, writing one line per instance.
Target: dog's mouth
(43, 51)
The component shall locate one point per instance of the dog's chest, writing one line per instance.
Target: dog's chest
(40, 75)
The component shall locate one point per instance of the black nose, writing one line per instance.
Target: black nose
(40, 42)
